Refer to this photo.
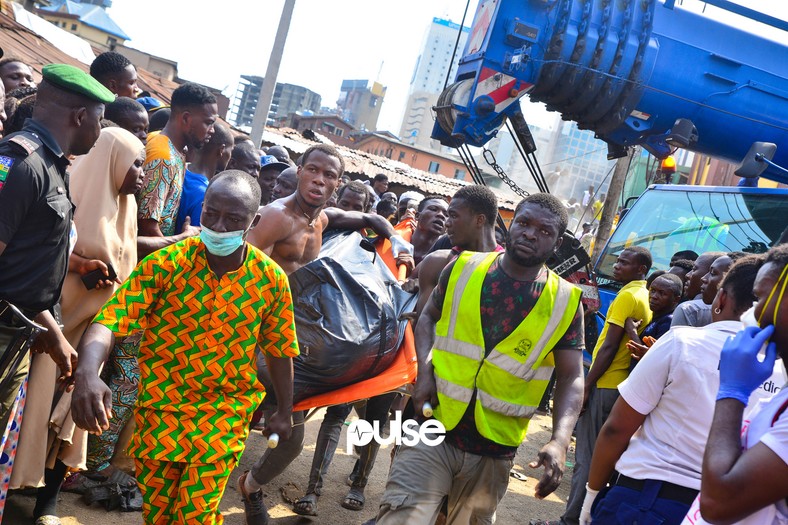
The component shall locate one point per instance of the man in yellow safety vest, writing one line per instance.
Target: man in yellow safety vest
(487, 342)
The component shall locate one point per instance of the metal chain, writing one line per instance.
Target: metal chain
(489, 157)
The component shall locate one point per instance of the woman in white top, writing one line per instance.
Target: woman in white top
(745, 469)
(656, 433)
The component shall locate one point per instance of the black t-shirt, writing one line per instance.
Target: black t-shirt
(443, 243)
(505, 302)
(35, 218)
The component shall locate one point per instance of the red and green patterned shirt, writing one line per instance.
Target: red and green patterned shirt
(198, 373)
(162, 187)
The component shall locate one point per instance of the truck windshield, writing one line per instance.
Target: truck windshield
(666, 221)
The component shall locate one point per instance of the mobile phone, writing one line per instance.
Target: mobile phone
(91, 279)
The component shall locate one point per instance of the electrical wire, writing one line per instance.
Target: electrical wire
(456, 44)
(576, 156)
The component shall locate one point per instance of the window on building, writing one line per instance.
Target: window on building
(73, 27)
(434, 167)
(459, 174)
(338, 132)
(401, 156)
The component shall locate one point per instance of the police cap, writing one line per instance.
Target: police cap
(77, 81)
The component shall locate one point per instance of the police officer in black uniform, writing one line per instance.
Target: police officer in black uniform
(35, 213)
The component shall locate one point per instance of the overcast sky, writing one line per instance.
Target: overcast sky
(328, 40)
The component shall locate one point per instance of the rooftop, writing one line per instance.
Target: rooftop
(362, 163)
(89, 14)
(390, 137)
(35, 51)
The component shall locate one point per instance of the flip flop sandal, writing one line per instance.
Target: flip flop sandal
(306, 506)
(79, 483)
(518, 475)
(48, 520)
(354, 500)
(122, 479)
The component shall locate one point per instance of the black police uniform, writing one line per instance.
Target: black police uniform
(35, 218)
(35, 223)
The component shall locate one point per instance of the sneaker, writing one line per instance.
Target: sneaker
(254, 505)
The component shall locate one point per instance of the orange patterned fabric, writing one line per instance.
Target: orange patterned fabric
(182, 493)
(198, 373)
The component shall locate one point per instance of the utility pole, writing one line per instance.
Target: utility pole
(611, 202)
(269, 82)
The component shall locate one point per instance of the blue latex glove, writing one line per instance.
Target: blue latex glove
(740, 370)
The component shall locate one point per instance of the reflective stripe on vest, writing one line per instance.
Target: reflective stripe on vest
(510, 382)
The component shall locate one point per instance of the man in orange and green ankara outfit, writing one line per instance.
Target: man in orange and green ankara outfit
(487, 342)
(204, 303)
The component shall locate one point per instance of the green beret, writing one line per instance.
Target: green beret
(77, 81)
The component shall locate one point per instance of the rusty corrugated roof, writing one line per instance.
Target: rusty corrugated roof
(362, 163)
(20, 42)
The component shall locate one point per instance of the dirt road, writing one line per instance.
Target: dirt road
(517, 507)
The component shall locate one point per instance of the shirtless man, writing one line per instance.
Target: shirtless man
(290, 231)
(470, 226)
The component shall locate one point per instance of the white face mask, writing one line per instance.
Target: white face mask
(748, 317)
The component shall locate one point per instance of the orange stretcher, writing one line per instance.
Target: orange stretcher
(401, 372)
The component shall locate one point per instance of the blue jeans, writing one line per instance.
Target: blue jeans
(621, 505)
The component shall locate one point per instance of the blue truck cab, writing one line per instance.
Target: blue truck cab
(667, 218)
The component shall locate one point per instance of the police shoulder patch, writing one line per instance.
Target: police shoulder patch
(28, 145)
(5, 167)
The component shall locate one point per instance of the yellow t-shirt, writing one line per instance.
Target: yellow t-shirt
(631, 301)
(597, 207)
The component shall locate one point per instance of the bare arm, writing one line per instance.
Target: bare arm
(354, 220)
(735, 484)
(2, 247)
(281, 371)
(273, 226)
(429, 271)
(604, 357)
(612, 441)
(568, 399)
(54, 343)
(150, 238)
(426, 389)
(91, 403)
(631, 326)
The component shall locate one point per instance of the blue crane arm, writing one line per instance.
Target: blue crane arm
(625, 69)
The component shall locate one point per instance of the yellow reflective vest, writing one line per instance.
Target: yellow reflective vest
(511, 380)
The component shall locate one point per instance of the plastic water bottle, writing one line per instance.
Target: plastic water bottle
(273, 440)
(426, 409)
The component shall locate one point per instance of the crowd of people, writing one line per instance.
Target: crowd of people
(146, 252)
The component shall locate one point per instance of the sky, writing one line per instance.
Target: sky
(214, 42)
(328, 41)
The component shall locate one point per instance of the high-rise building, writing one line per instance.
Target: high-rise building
(288, 98)
(360, 103)
(428, 79)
